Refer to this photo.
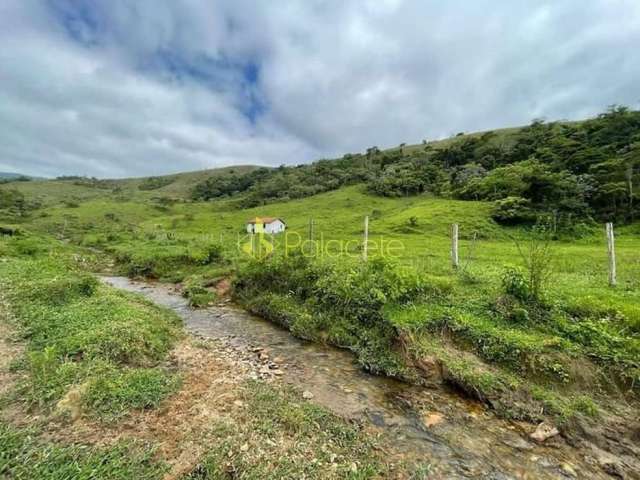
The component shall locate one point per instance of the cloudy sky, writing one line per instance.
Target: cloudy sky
(117, 88)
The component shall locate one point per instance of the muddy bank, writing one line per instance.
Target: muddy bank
(459, 438)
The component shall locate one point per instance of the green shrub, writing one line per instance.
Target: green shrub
(514, 283)
(28, 246)
(154, 183)
(197, 294)
(513, 211)
(158, 259)
(62, 289)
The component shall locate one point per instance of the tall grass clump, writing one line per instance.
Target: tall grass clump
(339, 302)
(160, 259)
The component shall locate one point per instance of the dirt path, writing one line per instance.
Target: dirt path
(10, 350)
(211, 392)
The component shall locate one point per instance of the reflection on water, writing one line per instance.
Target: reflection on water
(463, 440)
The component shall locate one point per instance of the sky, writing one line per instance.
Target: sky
(119, 88)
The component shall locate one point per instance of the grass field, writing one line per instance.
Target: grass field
(572, 352)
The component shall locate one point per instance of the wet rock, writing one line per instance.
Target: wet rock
(609, 463)
(545, 462)
(568, 471)
(517, 442)
(544, 431)
(307, 395)
(376, 418)
(499, 476)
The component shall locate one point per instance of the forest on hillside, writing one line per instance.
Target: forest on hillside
(557, 172)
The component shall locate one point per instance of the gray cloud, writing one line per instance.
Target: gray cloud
(120, 88)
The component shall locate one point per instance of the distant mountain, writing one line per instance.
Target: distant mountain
(10, 176)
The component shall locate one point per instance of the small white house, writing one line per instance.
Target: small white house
(268, 225)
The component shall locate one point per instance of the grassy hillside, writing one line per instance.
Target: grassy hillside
(527, 323)
(80, 189)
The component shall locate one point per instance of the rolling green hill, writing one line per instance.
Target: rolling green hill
(80, 189)
(527, 323)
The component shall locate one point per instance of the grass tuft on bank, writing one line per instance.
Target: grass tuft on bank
(85, 339)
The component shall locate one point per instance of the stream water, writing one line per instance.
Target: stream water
(436, 426)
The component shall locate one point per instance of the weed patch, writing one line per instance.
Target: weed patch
(80, 332)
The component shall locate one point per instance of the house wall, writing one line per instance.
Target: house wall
(274, 227)
(270, 228)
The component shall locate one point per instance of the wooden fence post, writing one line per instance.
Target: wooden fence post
(454, 245)
(366, 238)
(611, 250)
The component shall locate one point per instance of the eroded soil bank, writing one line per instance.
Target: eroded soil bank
(457, 437)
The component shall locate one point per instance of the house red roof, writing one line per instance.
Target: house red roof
(264, 220)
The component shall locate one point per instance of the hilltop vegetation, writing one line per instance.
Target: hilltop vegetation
(562, 171)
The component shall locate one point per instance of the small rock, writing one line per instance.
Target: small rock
(347, 390)
(546, 462)
(278, 360)
(279, 373)
(239, 403)
(307, 395)
(544, 431)
(568, 470)
(609, 464)
(517, 442)
(244, 448)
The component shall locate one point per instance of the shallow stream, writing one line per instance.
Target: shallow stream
(457, 437)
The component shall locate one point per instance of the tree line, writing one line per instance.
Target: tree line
(564, 171)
